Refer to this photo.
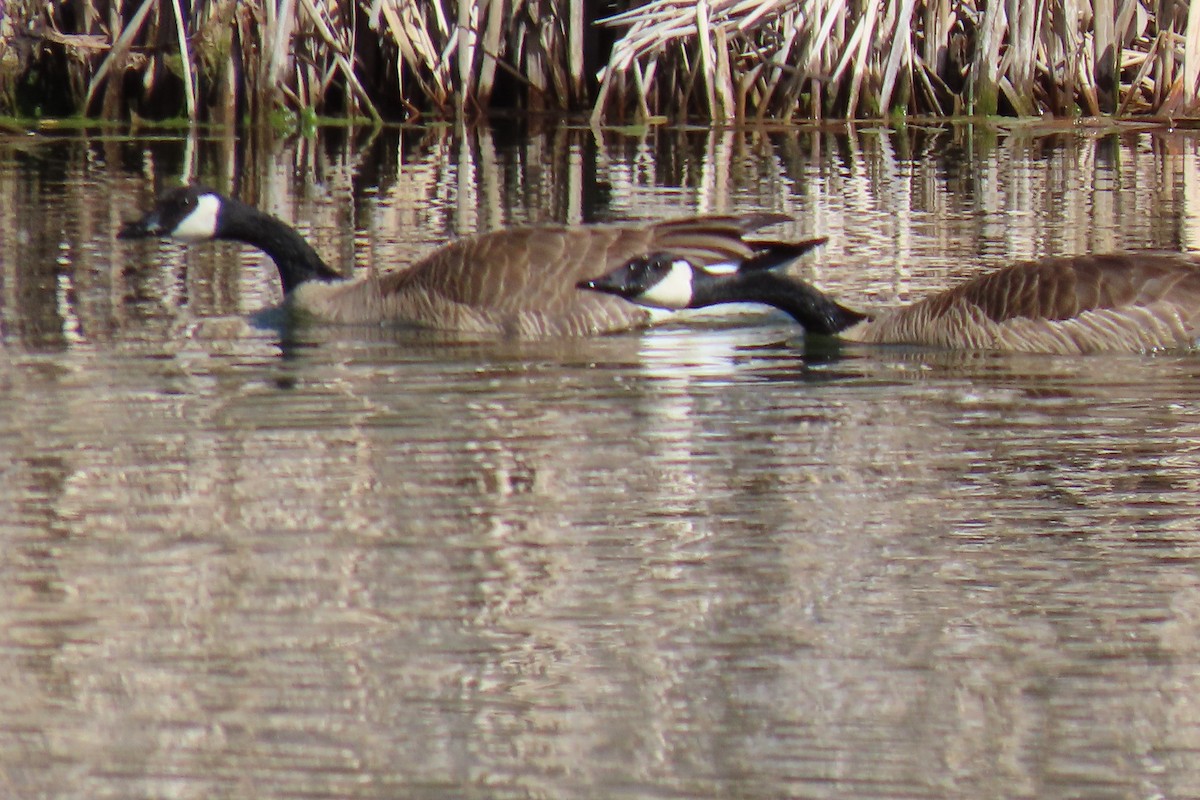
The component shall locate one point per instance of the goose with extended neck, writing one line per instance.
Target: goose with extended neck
(518, 282)
(1122, 302)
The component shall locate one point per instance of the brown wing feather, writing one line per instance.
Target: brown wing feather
(520, 279)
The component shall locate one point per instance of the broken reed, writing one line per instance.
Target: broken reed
(716, 59)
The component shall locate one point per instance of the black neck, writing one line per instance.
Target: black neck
(296, 261)
(814, 310)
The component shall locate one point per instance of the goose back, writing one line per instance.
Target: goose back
(522, 281)
(1077, 304)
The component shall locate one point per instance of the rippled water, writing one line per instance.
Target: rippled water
(700, 561)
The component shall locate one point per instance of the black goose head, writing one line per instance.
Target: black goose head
(199, 214)
(659, 280)
(188, 214)
(664, 280)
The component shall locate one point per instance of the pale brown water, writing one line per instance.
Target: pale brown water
(694, 562)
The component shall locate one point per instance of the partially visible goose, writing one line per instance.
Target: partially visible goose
(518, 282)
(1126, 302)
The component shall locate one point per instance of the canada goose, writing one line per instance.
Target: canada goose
(1124, 302)
(518, 282)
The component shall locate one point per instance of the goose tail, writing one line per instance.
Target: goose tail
(773, 255)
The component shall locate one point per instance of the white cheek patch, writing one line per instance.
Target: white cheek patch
(201, 224)
(673, 291)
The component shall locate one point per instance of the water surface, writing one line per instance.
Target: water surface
(699, 561)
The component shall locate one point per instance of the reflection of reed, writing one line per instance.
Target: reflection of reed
(905, 213)
(572, 568)
(718, 59)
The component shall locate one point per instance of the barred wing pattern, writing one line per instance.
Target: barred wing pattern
(1079, 304)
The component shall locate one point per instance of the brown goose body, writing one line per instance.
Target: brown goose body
(1121, 302)
(519, 282)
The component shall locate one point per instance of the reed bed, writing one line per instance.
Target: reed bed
(226, 60)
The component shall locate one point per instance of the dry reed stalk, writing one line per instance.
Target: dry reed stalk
(707, 58)
(1165, 69)
(341, 46)
(775, 65)
(118, 50)
(280, 22)
(657, 26)
(859, 46)
(535, 67)
(1024, 56)
(899, 51)
(1021, 56)
(985, 75)
(491, 45)
(575, 55)
(1191, 55)
(720, 59)
(465, 42)
(189, 80)
(1104, 45)
(1087, 86)
(414, 35)
(1149, 61)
